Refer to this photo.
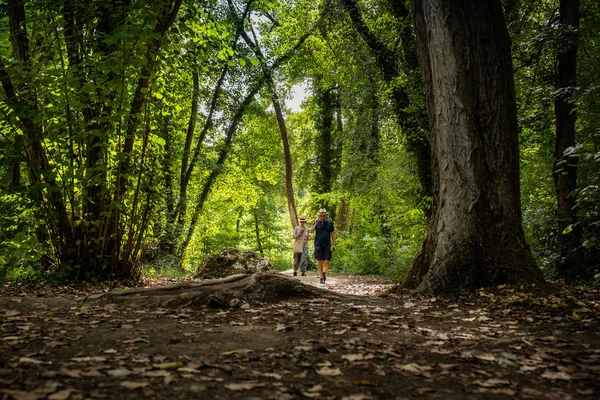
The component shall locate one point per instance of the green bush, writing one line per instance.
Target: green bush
(20, 253)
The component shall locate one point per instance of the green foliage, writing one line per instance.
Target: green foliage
(124, 207)
(20, 253)
(164, 265)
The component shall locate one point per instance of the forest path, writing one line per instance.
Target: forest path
(343, 283)
(502, 343)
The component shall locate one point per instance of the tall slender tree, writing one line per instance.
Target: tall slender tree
(565, 159)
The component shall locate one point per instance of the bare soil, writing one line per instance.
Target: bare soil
(59, 343)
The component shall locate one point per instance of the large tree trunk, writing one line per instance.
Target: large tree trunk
(475, 236)
(565, 165)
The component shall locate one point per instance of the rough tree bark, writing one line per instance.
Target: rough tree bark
(475, 236)
(565, 165)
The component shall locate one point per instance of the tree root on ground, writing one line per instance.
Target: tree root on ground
(232, 291)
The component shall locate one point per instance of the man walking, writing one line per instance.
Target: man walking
(323, 242)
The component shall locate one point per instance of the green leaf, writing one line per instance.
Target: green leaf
(88, 88)
(159, 141)
(171, 365)
(589, 244)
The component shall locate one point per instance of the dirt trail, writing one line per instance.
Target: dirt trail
(355, 285)
(500, 344)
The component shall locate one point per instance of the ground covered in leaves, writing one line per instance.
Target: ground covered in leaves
(497, 343)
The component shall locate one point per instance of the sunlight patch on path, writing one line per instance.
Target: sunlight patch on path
(342, 284)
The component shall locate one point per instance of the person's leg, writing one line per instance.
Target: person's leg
(303, 261)
(327, 259)
(320, 257)
(297, 257)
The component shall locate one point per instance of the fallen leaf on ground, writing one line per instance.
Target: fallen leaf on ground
(171, 365)
(358, 396)
(88, 359)
(267, 375)
(239, 387)
(28, 360)
(237, 351)
(492, 383)
(110, 351)
(133, 385)
(486, 357)
(326, 371)
(353, 357)
(158, 373)
(22, 395)
(73, 373)
(416, 369)
(563, 376)
(283, 328)
(54, 343)
(60, 395)
(119, 372)
(311, 395)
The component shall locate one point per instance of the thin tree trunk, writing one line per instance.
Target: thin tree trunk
(15, 172)
(207, 125)
(166, 16)
(475, 236)
(569, 266)
(324, 125)
(39, 169)
(181, 210)
(289, 186)
(257, 231)
(183, 182)
(218, 168)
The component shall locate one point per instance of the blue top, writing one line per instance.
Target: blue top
(323, 233)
